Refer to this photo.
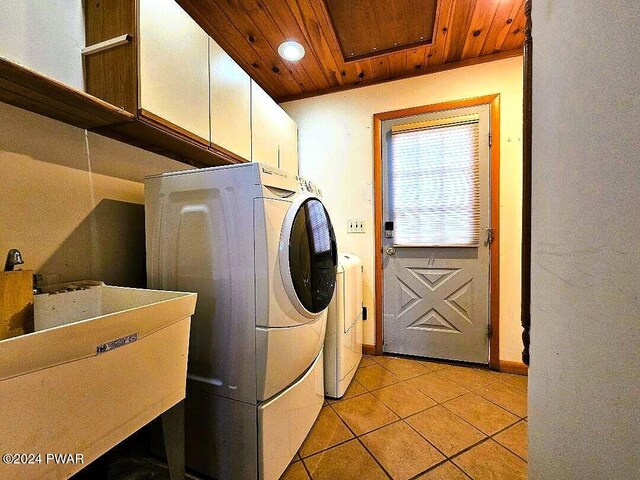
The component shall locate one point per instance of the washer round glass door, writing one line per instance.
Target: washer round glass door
(308, 256)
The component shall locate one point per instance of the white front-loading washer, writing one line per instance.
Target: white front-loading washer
(257, 245)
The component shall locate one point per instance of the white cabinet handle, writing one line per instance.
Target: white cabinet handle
(107, 44)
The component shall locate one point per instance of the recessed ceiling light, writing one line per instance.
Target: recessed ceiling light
(291, 51)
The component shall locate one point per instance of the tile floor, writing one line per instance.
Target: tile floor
(412, 419)
(403, 419)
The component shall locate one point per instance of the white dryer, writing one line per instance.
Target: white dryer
(257, 245)
(343, 340)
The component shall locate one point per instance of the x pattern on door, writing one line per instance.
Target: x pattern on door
(435, 299)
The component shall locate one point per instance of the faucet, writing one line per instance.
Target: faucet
(14, 257)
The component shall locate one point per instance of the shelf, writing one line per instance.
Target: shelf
(156, 139)
(25, 88)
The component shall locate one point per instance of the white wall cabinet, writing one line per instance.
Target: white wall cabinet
(264, 134)
(47, 37)
(288, 142)
(174, 66)
(274, 134)
(230, 97)
(180, 81)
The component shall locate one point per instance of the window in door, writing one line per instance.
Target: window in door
(434, 182)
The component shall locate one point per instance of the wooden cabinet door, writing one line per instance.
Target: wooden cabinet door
(174, 67)
(264, 132)
(230, 103)
(288, 142)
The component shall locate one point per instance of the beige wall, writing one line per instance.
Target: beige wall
(336, 152)
(584, 396)
(72, 202)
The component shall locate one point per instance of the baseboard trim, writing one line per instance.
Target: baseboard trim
(513, 367)
(504, 366)
(368, 349)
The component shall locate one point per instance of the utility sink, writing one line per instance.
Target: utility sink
(103, 362)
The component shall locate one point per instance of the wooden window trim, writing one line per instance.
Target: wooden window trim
(494, 300)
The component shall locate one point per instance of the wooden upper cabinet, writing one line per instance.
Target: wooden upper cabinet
(264, 127)
(288, 142)
(111, 74)
(230, 97)
(174, 66)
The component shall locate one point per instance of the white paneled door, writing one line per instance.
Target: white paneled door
(436, 234)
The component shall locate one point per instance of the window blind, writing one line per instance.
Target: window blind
(434, 185)
(319, 226)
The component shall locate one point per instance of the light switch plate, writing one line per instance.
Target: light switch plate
(355, 226)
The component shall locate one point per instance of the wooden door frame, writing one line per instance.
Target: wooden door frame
(494, 282)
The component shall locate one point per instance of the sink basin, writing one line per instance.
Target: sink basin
(103, 362)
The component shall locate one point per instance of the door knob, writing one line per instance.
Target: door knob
(391, 251)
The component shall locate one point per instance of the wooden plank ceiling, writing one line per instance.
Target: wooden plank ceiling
(465, 32)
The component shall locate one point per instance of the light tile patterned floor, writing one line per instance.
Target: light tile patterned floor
(412, 419)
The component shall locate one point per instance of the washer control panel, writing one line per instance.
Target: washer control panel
(307, 186)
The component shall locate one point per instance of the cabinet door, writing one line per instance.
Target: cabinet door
(230, 103)
(174, 66)
(46, 37)
(288, 142)
(264, 131)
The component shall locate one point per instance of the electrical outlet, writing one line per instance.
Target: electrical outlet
(355, 226)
